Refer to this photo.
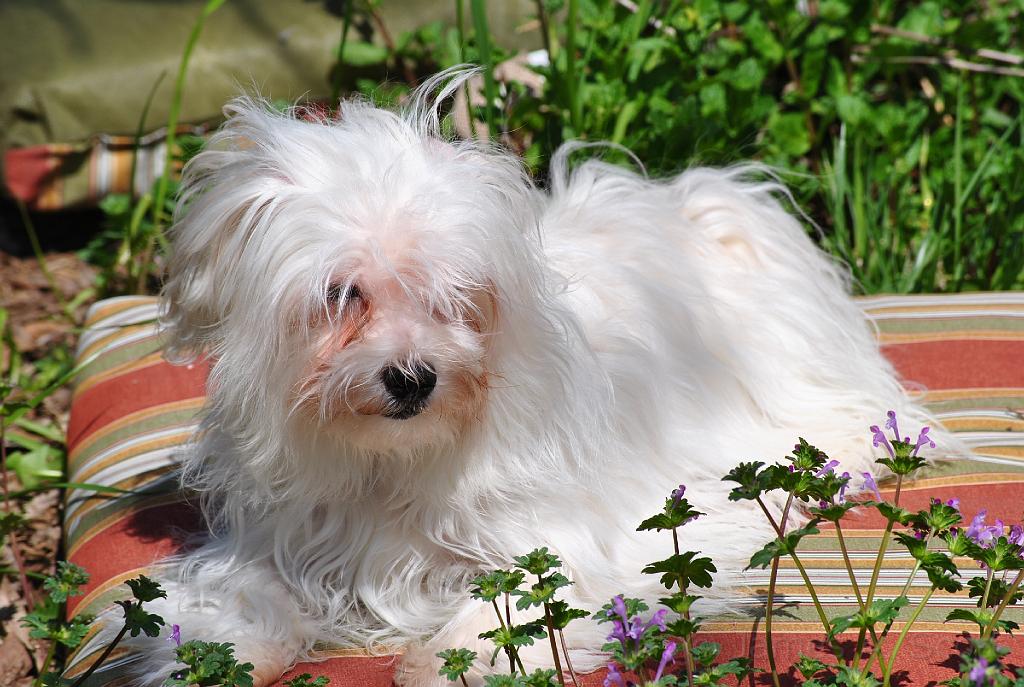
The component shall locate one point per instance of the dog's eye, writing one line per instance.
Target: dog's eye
(338, 294)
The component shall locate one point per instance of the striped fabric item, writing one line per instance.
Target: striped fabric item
(55, 176)
(132, 412)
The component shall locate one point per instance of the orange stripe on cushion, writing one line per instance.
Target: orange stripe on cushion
(139, 538)
(129, 393)
(960, 364)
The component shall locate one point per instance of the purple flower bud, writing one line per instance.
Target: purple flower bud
(657, 619)
(954, 502)
(871, 485)
(827, 468)
(792, 468)
(879, 439)
(677, 494)
(175, 635)
(979, 672)
(619, 608)
(842, 489)
(666, 658)
(891, 424)
(923, 439)
(920, 534)
(822, 504)
(614, 677)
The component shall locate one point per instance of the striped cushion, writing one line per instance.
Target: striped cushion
(131, 411)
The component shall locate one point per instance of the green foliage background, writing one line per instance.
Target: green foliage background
(897, 124)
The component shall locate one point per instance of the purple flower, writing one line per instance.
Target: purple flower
(981, 534)
(954, 502)
(978, 672)
(614, 677)
(842, 489)
(891, 424)
(871, 485)
(879, 439)
(175, 635)
(827, 468)
(677, 494)
(666, 658)
(629, 632)
(792, 468)
(923, 439)
(619, 608)
(822, 504)
(1017, 535)
(920, 534)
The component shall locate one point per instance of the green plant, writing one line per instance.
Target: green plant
(126, 250)
(898, 123)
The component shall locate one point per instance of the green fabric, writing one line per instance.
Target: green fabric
(75, 69)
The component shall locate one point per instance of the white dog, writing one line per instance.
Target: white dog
(424, 365)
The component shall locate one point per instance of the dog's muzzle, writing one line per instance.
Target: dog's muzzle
(408, 390)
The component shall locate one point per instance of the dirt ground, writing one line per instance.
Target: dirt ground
(40, 326)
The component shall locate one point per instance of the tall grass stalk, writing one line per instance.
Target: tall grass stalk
(346, 23)
(160, 196)
(482, 34)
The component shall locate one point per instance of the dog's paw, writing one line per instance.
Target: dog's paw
(419, 667)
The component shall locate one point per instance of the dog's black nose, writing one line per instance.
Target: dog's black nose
(409, 389)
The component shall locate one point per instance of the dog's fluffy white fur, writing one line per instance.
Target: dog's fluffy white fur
(592, 346)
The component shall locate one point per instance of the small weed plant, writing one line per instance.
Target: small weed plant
(660, 648)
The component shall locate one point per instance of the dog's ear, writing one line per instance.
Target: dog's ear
(229, 191)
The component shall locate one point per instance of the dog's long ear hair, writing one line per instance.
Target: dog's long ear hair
(228, 190)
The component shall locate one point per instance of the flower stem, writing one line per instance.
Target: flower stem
(988, 588)
(554, 646)
(903, 636)
(513, 655)
(464, 683)
(568, 661)
(849, 565)
(102, 658)
(878, 569)
(1002, 606)
(45, 665)
(769, 602)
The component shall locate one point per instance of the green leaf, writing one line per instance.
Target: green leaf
(306, 680)
(981, 618)
(145, 589)
(542, 592)
(457, 662)
(705, 653)
(893, 513)
(997, 592)
(787, 545)
(748, 476)
(66, 582)
(789, 132)
(683, 569)
(562, 614)
(883, 611)
(538, 561)
(747, 76)
(362, 54)
(139, 621)
(209, 664)
(851, 677)
(808, 666)
(633, 607)
(679, 603)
